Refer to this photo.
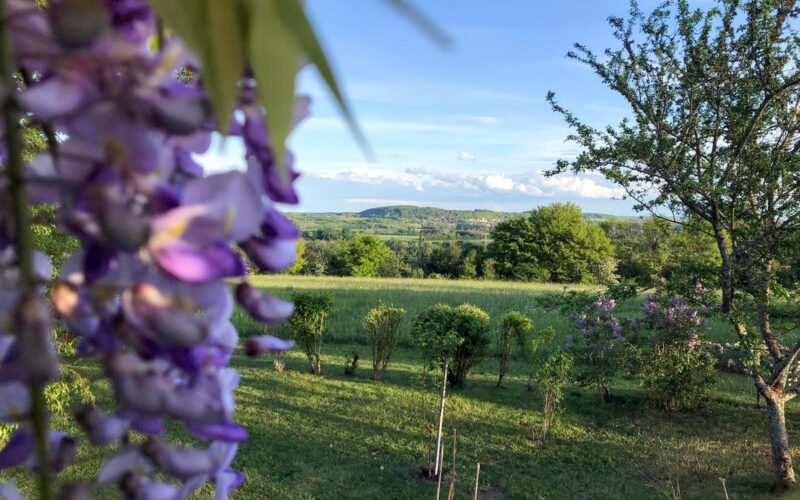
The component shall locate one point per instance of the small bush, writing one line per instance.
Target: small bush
(459, 336)
(382, 325)
(675, 368)
(536, 351)
(551, 377)
(307, 323)
(622, 291)
(567, 302)
(514, 329)
(598, 347)
(351, 364)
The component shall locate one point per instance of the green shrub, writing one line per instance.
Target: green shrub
(677, 379)
(536, 351)
(675, 368)
(458, 336)
(551, 377)
(514, 329)
(622, 291)
(307, 323)
(597, 347)
(382, 325)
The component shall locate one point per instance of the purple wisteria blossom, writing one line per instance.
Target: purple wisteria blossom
(147, 293)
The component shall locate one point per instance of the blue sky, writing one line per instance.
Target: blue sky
(463, 128)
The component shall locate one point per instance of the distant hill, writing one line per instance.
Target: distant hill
(422, 213)
(407, 222)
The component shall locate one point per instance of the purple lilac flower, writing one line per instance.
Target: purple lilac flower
(146, 293)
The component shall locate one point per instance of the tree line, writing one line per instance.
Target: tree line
(553, 243)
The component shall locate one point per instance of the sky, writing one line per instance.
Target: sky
(464, 128)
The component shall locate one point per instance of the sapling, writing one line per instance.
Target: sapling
(307, 324)
(382, 325)
(551, 377)
(514, 328)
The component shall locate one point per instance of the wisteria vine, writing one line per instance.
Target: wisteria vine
(149, 293)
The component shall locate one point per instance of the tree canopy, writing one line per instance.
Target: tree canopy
(553, 243)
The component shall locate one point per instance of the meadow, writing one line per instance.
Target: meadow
(334, 437)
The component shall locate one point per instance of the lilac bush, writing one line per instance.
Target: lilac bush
(147, 294)
(674, 362)
(598, 346)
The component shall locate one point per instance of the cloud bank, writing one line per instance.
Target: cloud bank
(534, 184)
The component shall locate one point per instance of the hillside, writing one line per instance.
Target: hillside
(408, 221)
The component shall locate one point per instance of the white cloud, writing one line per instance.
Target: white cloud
(581, 186)
(466, 156)
(499, 182)
(363, 176)
(478, 120)
(533, 184)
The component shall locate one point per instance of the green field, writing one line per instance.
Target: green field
(335, 437)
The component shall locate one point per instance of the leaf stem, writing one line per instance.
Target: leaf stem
(23, 240)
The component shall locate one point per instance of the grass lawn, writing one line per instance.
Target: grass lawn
(334, 437)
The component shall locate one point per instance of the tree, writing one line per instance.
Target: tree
(446, 260)
(554, 243)
(714, 136)
(300, 262)
(360, 256)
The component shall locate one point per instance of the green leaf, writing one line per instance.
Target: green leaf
(226, 59)
(275, 58)
(294, 18)
(423, 23)
(188, 23)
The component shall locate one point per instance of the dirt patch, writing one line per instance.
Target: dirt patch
(424, 474)
(493, 493)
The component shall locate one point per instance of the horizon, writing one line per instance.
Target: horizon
(357, 211)
(459, 129)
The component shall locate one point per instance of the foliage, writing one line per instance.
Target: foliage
(551, 376)
(714, 134)
(382, 325)
(48, 238)
(675, 368)
(300, 260)
(554, 243)
(598, 346)
(567, 302)
(361, 256)
(515, 328)
(621, 291)
(351, 364)
(307, 323)
(458, 336)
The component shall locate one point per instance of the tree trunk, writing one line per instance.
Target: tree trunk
(605, 394)
(779, 442)
(726, 270)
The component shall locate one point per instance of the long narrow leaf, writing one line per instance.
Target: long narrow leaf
(225, 63)
(275, 59)
(187, 20)
(294, 18)
(422, 22)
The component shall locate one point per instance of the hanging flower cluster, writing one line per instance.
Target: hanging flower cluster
(147, 293)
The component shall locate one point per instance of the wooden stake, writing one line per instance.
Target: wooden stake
(439, 454)
(452, 491)
(477, 477)
(724, 488)
(439, 481)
